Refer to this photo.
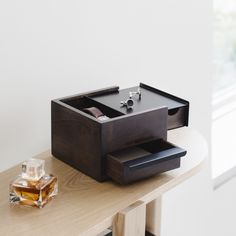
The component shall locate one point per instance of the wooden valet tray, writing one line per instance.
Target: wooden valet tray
(152, 98)
(87, 144)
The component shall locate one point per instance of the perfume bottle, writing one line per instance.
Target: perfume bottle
(33, 187)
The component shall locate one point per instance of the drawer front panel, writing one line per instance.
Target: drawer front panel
(139, 162)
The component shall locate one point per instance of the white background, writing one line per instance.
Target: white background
(50, 49)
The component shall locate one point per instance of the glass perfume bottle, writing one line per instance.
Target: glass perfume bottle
(33, 187)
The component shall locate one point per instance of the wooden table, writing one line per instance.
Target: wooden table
(85, 207)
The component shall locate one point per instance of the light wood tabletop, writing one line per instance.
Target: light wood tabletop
(85, 207)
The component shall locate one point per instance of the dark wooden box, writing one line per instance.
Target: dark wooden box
(91, 145)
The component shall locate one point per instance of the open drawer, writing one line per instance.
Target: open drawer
(141, 161)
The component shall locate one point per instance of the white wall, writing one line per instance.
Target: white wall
(50, 49)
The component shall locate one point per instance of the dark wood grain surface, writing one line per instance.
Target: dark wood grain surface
(82, 141)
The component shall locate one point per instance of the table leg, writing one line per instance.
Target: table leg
(153, 217)
(131, 221)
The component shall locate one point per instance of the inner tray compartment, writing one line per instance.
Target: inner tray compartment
(141, 161)
(84, 102)
(152, 98)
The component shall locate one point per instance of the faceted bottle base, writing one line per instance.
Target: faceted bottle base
(33, 193)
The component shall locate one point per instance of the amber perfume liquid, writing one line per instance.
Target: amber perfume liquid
(33, 192)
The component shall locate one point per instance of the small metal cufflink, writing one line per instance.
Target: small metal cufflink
(129, 103)
(136, 93)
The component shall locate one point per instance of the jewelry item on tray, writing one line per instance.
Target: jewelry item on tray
(129, 103)
(94, 111)
(131, 94)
